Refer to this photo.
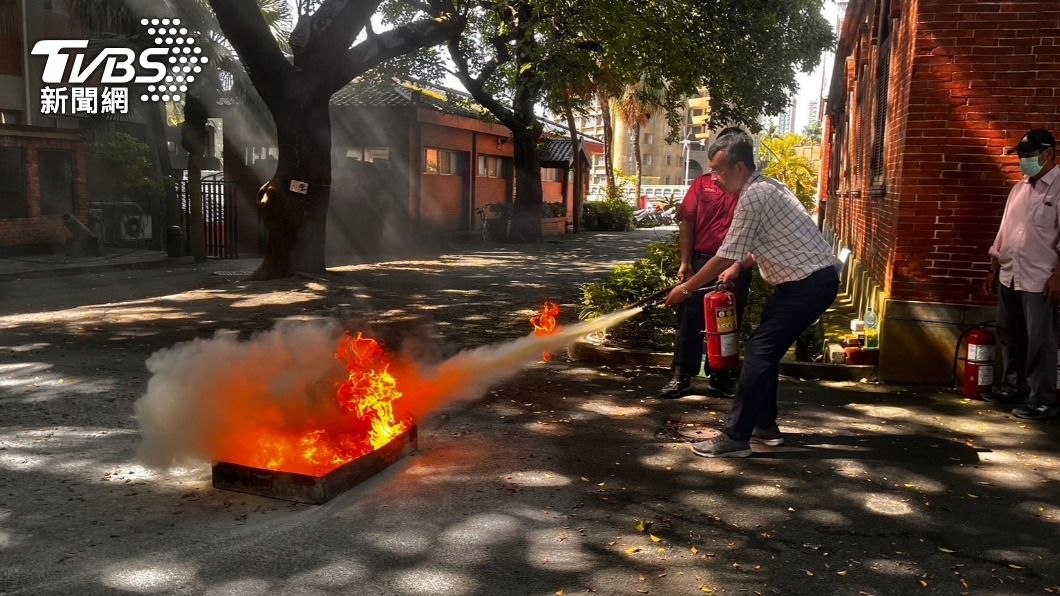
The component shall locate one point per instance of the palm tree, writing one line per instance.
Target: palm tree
(784, 163)
(636, 107)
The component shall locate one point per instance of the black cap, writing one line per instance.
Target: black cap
(1037, 139)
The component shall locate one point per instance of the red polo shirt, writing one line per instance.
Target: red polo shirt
(710, 210)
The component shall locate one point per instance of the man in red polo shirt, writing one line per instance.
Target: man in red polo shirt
(705, 215)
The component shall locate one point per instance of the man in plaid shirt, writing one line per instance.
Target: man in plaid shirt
(772, 229)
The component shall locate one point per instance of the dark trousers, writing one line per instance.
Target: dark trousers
(794, 307)
(1027, 329)
(691, 322)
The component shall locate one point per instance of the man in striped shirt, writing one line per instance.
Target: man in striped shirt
(772, 229)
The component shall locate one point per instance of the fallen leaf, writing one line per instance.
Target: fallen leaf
(654, 538)
(947, 550)
(694, 550)
(641, 525)
(1015, 566)
(643, 577)
(559, 592)
(923, 582)
(808, 572)
(633, 549)
(642, 591)
(706, 588)
(843, 572)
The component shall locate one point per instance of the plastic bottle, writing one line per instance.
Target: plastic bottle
(872, 336)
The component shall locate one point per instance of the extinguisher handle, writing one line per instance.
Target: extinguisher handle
(665, 292)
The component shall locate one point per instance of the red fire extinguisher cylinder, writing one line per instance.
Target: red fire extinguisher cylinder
(722, 345)
(979, 364)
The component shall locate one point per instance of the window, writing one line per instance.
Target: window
(649, 139)
(13, 203)
(876, 170)
(490, 166)
(440, 161)
(667, 179)
(598, 160)
(551, 174)
(56, 182)
(369, 154)
(647, 160)
(669, 161)
(58, 6)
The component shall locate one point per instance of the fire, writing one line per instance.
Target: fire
(363, 418)
(545, 324)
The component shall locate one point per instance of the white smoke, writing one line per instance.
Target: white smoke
(205, 394)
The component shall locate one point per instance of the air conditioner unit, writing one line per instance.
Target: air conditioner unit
(136, 227)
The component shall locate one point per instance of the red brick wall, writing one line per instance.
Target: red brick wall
(441, 206)
(40, 229)
(967, 80)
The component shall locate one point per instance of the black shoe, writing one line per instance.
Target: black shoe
(723, 383)
(678, 386)
(1036, 412)
(1005, 395)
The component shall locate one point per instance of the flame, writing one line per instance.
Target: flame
(363, 419)
(545, 324)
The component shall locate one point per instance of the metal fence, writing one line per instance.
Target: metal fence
(218, 215)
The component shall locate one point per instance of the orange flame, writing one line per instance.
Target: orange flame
(360, 420)
(545, 324)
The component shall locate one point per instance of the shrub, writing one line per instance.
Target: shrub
(654, 328)
(613, 214)
(553, 210)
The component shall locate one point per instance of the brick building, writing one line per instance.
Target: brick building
(43, 165)
(409, 163)
(925, 97)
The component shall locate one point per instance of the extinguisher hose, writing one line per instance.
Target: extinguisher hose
(957, 350)
(665, 292)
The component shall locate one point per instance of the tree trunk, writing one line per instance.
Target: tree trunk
(296, 222)
(609, 144)
(578, 197)
(526, 212)
(193, 139)
(636, 159)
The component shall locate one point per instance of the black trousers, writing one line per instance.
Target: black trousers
(1027, 330)
(691, 322)
(794, 307)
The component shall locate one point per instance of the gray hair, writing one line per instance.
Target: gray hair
(738, 148)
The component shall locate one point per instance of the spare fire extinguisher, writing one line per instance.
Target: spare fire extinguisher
(979, 362)
(721, 342)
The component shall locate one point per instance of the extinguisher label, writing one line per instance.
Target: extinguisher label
(986, 375)
(729, 345)
(726, 319)
(980, 353)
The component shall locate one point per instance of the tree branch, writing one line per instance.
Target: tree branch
(330, 30)
(476, 87)
(395, 42)
(245, 28)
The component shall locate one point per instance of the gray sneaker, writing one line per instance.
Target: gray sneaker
(768, 436)
(722, 446)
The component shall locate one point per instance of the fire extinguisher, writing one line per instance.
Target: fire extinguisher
(721, 341)
(979, 362)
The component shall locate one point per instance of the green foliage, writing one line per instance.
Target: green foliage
(784, 163)
(553, 209)
(653, 328)
(813, 131)
(613, 214)
(120, 170)
(499, 210)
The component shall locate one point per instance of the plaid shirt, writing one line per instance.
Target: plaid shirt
(772, 224)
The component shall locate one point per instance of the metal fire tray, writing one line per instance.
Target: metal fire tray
(303, 488)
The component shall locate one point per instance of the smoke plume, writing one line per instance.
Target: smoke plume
(208, 395)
